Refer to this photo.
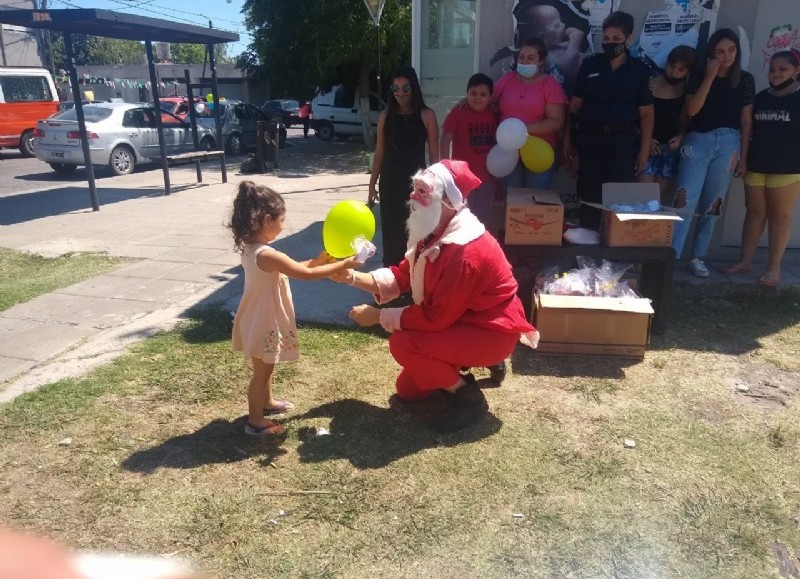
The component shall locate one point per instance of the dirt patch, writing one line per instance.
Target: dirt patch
(764, 386)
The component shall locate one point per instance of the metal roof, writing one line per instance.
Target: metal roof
(115, 25)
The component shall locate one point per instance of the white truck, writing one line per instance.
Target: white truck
(337, 113)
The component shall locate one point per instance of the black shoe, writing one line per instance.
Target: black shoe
(497, 373)
(466, 406)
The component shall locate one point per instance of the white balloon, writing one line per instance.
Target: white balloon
(512, 134)
(501, 162)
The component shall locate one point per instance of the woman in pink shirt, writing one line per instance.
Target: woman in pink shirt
(536, 98)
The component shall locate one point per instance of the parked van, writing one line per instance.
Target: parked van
(26, 96)
(336, 113)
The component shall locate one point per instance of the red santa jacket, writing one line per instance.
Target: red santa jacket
(463, 277)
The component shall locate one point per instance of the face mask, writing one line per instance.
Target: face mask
(527, 70)
(787, 83)
(671, 80)
(613, 49)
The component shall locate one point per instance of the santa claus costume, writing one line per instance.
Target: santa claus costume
(465, 309)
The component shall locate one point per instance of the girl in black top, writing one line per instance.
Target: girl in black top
(403, 130)
(772, 182)
(720, 104)
(669, 95)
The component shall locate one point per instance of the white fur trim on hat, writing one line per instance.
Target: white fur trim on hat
(453, 193)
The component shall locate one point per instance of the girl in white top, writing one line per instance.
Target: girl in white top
(264, 328)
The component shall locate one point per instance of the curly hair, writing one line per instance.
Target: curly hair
(252, 205)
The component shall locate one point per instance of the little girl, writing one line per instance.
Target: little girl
(264, 328)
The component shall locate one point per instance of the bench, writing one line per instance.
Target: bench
(196, 157)
(658, 268)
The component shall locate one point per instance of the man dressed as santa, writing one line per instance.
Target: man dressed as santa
(465, 309)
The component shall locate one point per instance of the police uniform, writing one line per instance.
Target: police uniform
(607, 135)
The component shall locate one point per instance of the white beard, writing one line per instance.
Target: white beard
(423, 220)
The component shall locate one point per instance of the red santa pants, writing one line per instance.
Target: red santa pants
(432, 360)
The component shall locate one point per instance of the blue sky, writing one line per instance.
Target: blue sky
(223, 15)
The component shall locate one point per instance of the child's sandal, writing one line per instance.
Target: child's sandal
(271, 428)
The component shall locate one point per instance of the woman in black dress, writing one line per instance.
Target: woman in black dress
(403, 130)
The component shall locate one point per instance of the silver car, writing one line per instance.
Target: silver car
(120, 136)
(239, 125)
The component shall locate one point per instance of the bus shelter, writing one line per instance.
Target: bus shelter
(112, 24)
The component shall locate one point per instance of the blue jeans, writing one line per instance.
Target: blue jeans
(708, 162)
(521, 177)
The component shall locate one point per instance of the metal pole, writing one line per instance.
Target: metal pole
(193, 121)
(217, 121)
(378, 75)
(76, 96)
(148, 45)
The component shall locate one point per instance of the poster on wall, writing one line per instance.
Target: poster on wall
(567, 28)
(676, 22)
(777, 28)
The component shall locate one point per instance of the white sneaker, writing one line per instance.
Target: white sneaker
(698, 268)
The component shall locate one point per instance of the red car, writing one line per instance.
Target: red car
(177, 105)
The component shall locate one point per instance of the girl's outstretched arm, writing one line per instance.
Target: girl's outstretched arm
(279, 261)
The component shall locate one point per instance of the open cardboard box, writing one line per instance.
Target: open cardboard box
(634, 229)
(533, 217)
(592, 326)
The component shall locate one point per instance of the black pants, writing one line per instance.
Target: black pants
(306, 123)
(603, 159)
(394, 214)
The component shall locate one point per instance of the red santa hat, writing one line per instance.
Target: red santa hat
(459, 181)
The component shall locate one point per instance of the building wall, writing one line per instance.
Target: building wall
(18, 46)
(763, 26)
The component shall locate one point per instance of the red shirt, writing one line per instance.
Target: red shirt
(473, 137)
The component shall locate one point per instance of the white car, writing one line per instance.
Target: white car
(121, 135)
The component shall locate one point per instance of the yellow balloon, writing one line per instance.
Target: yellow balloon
(346, 221)
(537, 155)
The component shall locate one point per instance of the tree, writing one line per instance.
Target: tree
(196, 53)
(300, 46)
(97, 50)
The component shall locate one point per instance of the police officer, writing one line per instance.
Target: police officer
(610, 117)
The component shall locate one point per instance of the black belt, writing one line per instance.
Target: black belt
(605, 129)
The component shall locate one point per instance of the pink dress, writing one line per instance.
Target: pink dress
(264, 326)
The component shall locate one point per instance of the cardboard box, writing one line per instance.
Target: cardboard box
(592, 326)
(635, 229)
(533, 217)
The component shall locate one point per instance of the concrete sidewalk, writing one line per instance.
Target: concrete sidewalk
(186, 254)
(187, 259)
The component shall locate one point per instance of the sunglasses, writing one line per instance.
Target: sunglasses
(405, 89)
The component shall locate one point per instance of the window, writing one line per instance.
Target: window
(135, 118)
(25, 88)
(91, 114)
(344, 100)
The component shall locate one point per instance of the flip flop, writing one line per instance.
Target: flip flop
(281, 407)
(270, 429)
(769, 281)
(736, 268)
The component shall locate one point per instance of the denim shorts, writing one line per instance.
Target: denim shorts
(663, 165)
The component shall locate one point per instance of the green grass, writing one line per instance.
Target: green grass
(159, 464)
(24, 276)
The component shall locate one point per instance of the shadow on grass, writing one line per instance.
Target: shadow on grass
(731, 324)
(528, 362)
(220, 441)
(372, 437)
